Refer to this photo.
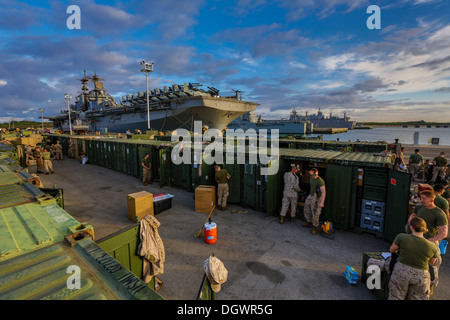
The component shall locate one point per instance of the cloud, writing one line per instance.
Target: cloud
(266, 40)
(370, 85)
(18, 16)
(443, 89)
(298, 9)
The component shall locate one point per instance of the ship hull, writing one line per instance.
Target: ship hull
(325, 123)
(282, 127)
(213, 112)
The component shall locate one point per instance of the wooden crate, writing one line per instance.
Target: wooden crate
(205, 198)
(139, 205)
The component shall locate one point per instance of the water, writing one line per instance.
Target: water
(389, 134)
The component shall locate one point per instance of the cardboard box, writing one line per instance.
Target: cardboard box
(205, 198)
(139, 205)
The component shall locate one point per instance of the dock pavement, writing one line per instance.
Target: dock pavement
(265, 260)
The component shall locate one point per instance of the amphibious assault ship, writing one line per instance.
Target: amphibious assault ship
(170, 108)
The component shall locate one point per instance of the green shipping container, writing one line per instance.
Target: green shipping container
(43, 258)
(165, 167)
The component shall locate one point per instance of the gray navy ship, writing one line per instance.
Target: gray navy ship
(171, 108)
(293, 125)
(296, 124)
(321, 121)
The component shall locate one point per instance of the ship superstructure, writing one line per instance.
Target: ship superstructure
(321, 121)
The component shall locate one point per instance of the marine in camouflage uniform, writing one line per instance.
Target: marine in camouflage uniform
(437, 225)
(411, 279)
(440, 166)
(146, 170)
(58, 151)
(290, 194)
(222, 176)
(315, 201)
(415, 163)
(39, 162)
(48, 165)
(408, 283)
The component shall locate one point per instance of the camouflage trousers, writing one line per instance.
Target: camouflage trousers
(437, 171)
(312, 210)
(285, 202)
(146, 175)
(222, 194)
(39, 164)
(59, 155)
(414, 169)
(48, 166)
(409, 283)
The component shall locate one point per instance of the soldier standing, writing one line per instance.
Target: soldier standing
(71, 150)
(53, 151)
(437, 227)
(415, 163)
(222, 176)
(440, 165)
(38, 158)
(410, 279)
(290, 193)
(48, 165)
(147, 172)
(58, 149)
(315, 200)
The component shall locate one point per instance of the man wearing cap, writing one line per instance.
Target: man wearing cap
(290, 193)
(440, 165)
(59, 151)
(315, 200)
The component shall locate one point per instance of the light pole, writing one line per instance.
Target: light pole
(147, 67)
(68, 96)
(41, 110)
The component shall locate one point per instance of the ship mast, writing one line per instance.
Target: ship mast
(98, 85)
(85, 89)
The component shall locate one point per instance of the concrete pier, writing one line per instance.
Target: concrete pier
(265, 260)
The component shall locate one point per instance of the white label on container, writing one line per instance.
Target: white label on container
(56, 214)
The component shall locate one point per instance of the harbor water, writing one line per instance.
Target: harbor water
(389, 134)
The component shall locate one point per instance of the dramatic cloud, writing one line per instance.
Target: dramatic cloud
(282, 54)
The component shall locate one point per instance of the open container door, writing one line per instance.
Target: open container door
(397, 203)
(338, 184)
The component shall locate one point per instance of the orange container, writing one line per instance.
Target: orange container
(210, 232)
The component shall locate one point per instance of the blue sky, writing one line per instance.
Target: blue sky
(283, 54)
